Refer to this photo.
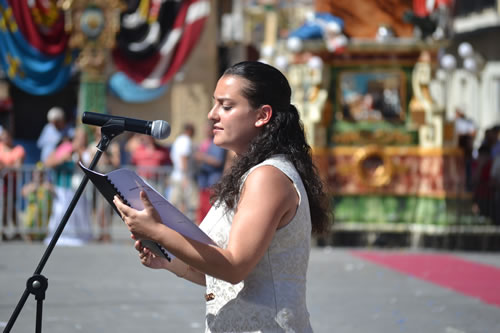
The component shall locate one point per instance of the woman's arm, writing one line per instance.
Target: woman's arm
(268, 201)
(55, 159)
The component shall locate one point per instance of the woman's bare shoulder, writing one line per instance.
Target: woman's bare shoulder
(267, 178)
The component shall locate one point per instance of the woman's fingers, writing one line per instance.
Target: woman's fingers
(124, 210)
(138, 246)
(145, 200)
(120, 206)
(139, 222)
(143, 251)
(146, 256)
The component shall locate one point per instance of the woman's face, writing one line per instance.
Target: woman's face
(236, 123)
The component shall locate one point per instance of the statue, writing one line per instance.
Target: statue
(424, 111)
(93, 26)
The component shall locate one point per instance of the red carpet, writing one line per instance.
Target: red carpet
(466, 277)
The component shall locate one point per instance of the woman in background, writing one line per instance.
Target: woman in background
(109, 161)
(63, 161)
(11, 159)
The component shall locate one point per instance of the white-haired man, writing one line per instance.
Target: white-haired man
(52, 132)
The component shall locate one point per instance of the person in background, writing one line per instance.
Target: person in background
(464, 125)
(264, 211)
(147, 155)
(53, 132)
(39, 194)
(211, 159)
(484, 187)
(109, 161)
(466, 132)
(11, 158)
(492, 140)
(67, 178)
(183, 191)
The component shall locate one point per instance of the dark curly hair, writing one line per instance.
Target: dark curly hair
(283, 134)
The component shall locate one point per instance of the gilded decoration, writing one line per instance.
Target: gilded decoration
(93, 25)
(373, 168)
(399, 171)
(425, 114)
(380, 137)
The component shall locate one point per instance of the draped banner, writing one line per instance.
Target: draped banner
(26, 66)
(42, 24)
(130, 92)
(144, 25)
(160, 47)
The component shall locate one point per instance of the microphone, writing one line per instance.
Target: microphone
(158, 129)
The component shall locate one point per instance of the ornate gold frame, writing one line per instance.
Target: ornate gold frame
(382, 175)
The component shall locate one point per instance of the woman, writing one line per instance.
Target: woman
(147, 155)
(11, 159)
(264, 211)
(110, 160)
(63, 161)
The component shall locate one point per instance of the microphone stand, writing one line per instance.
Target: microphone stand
(37, 284)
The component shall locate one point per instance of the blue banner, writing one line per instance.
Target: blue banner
(129, 91)
(24, 65)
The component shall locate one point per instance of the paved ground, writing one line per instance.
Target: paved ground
(103, 288)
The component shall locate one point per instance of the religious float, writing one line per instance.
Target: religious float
(364, 80)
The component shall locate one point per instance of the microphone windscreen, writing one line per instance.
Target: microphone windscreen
(160, 129)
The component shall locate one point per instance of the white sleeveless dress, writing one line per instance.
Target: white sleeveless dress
(273, 296)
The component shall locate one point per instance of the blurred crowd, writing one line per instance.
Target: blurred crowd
(36, 197)
(484, 179)
(482, 167)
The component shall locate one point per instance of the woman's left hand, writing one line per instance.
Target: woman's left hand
(142, 224)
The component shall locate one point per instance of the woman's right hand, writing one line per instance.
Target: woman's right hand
(148, 258)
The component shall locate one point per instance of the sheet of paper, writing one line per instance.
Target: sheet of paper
(130, 185)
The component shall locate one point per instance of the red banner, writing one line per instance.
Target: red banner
(42, 24)
(173, 50)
